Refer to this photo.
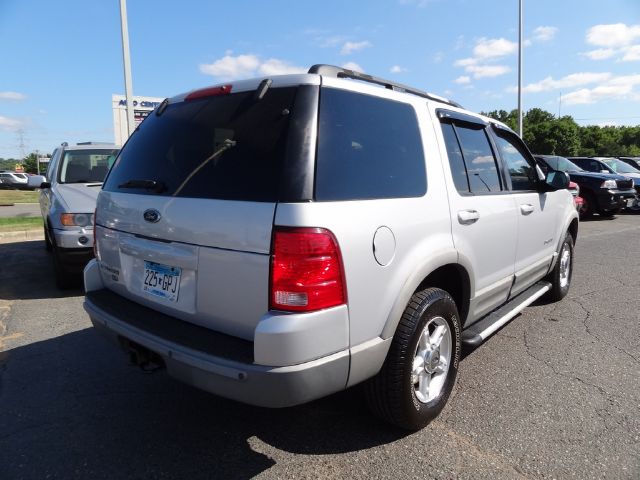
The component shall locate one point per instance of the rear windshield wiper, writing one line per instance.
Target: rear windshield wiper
(146, 184)
(227, 143)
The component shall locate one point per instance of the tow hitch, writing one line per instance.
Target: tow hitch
(147, 360)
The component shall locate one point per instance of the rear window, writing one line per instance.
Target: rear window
(224, 147)
(368, 147)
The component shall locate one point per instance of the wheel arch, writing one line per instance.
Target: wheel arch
(450, 276)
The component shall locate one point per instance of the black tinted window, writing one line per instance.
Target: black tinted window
(225, 147)
(456, 162)
(523, 174)
(368, 147)
(479, 159)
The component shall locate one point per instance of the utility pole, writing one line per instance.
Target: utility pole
(520, 67)
(126, 59)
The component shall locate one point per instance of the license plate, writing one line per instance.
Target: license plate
(631, 202)
(161, 280)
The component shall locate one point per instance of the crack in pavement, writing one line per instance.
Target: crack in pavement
(593, 335)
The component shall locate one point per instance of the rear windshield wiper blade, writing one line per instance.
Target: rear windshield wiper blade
(146, 184)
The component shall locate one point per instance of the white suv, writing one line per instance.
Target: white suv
(276, 240)
(68, 195)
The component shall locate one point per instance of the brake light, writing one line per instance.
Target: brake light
(306, 270)
(209, 92)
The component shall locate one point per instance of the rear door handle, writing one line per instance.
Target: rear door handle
(467, 217)
(526, 208)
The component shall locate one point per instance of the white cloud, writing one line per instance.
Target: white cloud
(7, 123)
(437, 57)
(569, 81)
(15, 96)
(353, 66)
(544, 34)
(486, 52)
(613, 35)
(349, 47)
(274, 66)
(494, 47)
(465, 62)
(482, 71)
(397, 69)
(463, 80)
(631, 54)
(600, 53)
(614, 88)
(244, 66)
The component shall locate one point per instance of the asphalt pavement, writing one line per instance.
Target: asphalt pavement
(553, 394)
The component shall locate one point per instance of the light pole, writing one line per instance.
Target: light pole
(126, 59)
(520, 68)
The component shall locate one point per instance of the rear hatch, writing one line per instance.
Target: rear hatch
(185, 216)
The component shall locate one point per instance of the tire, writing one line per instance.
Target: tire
(609, 213)
(47, 241)
(562, 272)
(64, 280)
(588, 206)
(397, 394)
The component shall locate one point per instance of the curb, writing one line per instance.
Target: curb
(22, 236)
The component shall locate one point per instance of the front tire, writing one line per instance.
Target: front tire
(562, 273)
(420, 370)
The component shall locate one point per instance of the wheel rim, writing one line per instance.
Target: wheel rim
(565, 265)
(431, 360)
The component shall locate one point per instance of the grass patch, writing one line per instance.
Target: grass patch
(18, 196)
(13, 224)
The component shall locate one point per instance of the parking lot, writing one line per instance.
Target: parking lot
(554, 394)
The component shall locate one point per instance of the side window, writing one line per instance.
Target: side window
(522, 173)
(479, 159)
(368, 147)
(456, 162)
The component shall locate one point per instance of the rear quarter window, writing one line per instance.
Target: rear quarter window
(368, 148)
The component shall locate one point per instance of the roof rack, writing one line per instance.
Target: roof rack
(93, 143)
(338, 72)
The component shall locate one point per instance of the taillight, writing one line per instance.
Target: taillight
(306, 270)
(209, 92)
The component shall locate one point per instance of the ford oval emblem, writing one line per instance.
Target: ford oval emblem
(152, 215)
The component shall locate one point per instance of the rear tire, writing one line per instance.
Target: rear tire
(562, 272)
(420, 370)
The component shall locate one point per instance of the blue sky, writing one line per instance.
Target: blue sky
(61, 61)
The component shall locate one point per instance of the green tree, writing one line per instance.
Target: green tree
(30, 163)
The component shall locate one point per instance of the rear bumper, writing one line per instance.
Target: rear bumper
(215, 362)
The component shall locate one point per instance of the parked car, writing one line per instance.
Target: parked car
(633, 161)
(613, 165)
(604, 193)
(68, 195)
(578, 201)
(280, 239)
(13, 180)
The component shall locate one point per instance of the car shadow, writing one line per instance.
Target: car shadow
(26, 272)
(71, 407)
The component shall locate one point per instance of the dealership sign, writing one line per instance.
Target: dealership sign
(142, 107)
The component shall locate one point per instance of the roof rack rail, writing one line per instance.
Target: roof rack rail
(93, 143)
(338, 72)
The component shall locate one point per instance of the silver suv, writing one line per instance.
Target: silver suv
(277, 240)
(68, 195)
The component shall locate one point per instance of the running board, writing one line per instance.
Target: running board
(481, 330)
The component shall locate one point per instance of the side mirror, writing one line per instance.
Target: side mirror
(556, 180)
(604, 171)
(38, 181)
